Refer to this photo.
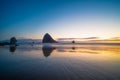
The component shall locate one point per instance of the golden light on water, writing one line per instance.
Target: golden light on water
(90, 53)
(93, 61)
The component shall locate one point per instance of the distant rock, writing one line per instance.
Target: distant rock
(48, 39)
(73, 41)
(13, 40)
(4, 43)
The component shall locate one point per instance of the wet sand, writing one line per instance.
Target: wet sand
(60, 62)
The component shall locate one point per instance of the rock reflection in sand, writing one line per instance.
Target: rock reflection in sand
(63, 62)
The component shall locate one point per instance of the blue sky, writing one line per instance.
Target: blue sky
(60, 18)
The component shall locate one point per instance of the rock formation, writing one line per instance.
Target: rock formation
(48, 39)
(73, 41)
(13, 41)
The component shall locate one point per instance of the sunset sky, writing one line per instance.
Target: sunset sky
(60, 18)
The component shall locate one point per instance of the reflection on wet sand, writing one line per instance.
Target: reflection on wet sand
(90, 49)
(12, 48)
(73, 48)
(65, 62)
(47, 50)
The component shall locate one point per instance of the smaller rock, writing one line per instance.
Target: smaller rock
(73, 41)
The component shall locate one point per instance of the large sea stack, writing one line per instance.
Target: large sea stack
(48, 39)
(13, 41)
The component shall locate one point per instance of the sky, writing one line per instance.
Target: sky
(60, 18)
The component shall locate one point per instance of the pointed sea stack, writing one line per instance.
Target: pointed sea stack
(48, 39)
(13, 41)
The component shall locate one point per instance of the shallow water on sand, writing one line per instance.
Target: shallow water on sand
(60, 62)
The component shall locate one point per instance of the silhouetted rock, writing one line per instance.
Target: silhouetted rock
(4, 43)
(73, 41)
(48, 39)
(13, 40)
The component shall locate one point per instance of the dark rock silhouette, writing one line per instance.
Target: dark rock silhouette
(47, 50)
(13, 41)
(4, 43)
(73, 41)
(48, 39)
